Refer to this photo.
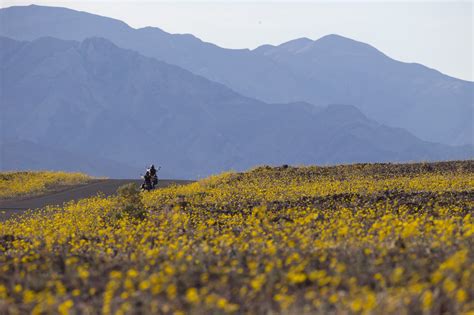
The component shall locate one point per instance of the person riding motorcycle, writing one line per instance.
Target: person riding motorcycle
(147, 185)
(154, 177)
(152, 170)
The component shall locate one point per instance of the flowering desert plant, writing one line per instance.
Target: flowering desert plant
(130, 202)
(17, 184)
(372, 239)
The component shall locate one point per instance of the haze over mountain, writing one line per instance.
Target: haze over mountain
(96, 99)
(330, 70)
(27, 155)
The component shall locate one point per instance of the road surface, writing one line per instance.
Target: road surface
(11, 207)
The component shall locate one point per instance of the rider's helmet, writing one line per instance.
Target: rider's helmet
(152, 166)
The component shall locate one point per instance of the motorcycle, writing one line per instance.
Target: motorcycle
(154, 178)
(147, 186)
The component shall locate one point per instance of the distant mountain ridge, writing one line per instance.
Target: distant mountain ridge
(330, 70)
(27, 155)
(96, 99)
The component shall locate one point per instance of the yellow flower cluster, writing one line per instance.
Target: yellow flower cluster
(372, 239)
(15, 184)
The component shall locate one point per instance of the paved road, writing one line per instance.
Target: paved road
(9, 208)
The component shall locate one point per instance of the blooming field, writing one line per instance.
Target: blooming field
(383, 239)
(17, 184)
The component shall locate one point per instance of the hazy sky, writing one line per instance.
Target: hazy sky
(436, 34)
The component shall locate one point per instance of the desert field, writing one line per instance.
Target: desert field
(28, 184)
(349, 239)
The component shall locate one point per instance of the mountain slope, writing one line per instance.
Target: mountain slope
(184, 50)
(100, 100)
(27, 155)
(332, 69)
(411, 96)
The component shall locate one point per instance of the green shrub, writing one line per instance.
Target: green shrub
(130, 201)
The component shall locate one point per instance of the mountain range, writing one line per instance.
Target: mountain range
(97, 99)
(95, 95)
(333, 69)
